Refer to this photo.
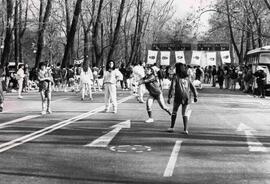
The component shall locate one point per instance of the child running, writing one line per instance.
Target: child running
(45, 87)
(155, 93)
(181, 88)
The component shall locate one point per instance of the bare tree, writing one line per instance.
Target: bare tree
(116, 30)
(71, 33)
(42, 27)
(8, 37)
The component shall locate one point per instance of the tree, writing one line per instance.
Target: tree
(42, 27)
(116, 30)
(8, 36)
(71, 33)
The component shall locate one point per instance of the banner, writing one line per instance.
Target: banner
(225, 56)
(180, 57)
(165, 58)
(211, 58)
(196, 58)
(152, 57)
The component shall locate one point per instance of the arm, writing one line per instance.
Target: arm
(171, 90)
(194, 91)
(148, 79)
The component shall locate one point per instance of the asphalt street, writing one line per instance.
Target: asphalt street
(228, 141)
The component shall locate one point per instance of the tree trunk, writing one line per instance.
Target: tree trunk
(97, 49)
(267, 4)
(41, 31)
(116, 31)
(16, 36)
(71, 33)
(6, 51)
(68, 27)
(22, 27)
(231, 31)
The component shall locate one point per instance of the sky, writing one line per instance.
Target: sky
(185, 6)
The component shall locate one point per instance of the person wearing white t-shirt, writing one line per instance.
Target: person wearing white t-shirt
(20, 76)
(86, 80)
(110, 79)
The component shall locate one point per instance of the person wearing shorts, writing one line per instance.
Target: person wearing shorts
(181, 88)
(45, 87)
(155, 93)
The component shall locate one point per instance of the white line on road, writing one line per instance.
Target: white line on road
(14, 143)
(171, 164)
(103, 141)
(254, 145)
(3, 125)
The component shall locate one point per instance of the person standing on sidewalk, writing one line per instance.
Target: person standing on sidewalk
(110, 79)
(45, 87)
(20, 77)
(181, 88)
(155, 93)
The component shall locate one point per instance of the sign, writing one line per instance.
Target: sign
(165, 58)
(211, 58)
(212, 46)
(225, 56)
(152, 57)
(180, 57)
(196, 58)
(171, 46)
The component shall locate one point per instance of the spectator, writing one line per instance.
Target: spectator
(20, 76)
(261, 81)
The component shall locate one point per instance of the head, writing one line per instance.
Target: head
(149, 70)
(110, 65)
(42, 66)
(181, 70)
(21, 66)
(85, 67)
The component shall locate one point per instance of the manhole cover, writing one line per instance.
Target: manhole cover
(130, 148)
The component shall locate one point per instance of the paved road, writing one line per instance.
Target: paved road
(229, 141)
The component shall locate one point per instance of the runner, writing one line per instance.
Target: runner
(155, 93)
(181, 88)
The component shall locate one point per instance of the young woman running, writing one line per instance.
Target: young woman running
(181, 88)
(155, 93)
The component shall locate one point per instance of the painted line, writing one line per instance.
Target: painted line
(60, 99)
(19, 141)
(254, 145)
(104, 141)
(3, 125)
(171, 164)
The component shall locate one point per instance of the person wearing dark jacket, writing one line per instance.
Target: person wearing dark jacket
(155, 93)
(261, 80)
(181, 88)
(220, 75)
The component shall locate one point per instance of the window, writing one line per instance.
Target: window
(265, 58)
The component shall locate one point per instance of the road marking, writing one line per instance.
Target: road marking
(19, 141)
(3, 125)
(60, 99)
(105, 140)
(254, 145)
(171, 164)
